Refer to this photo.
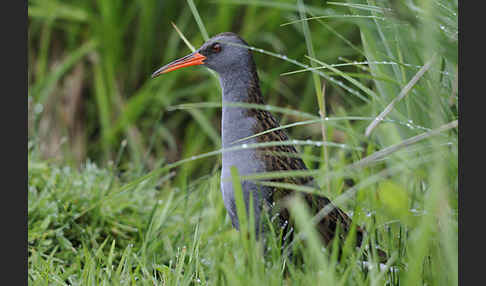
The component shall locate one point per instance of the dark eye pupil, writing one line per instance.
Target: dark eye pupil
(216, 47)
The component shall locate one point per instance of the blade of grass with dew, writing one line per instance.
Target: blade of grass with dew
(310, 50)
(295, 62)
(343, 197)
(402, 94)
(354, 75)
(333, 16)
(159, 171)
(372, 50)
(352, 63)
(317, 86)
(286, 111)
(391, 149)
(267, 107)
(370, 180)
(370, 8)
(368, 91)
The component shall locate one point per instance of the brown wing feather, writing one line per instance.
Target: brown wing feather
(275, 160)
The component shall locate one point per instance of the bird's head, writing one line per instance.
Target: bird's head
(222, 53)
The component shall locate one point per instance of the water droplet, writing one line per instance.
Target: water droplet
(38, 108)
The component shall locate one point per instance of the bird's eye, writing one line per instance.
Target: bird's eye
(216, 48)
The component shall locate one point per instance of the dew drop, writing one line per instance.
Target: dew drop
(38, 108)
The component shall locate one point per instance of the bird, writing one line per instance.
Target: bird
(231, 58)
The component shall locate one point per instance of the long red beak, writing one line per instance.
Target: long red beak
(189, 60)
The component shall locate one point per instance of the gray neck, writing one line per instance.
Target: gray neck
(240, 86)
(237, 123)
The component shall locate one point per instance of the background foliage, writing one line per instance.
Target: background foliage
(107, 206)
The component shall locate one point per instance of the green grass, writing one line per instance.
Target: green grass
(121, 193)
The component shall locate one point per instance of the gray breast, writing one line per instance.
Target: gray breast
(236, 125)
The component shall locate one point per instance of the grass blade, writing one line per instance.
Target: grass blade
(401, 95)
(199, 22)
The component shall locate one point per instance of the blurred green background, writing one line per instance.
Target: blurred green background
(92, 103)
